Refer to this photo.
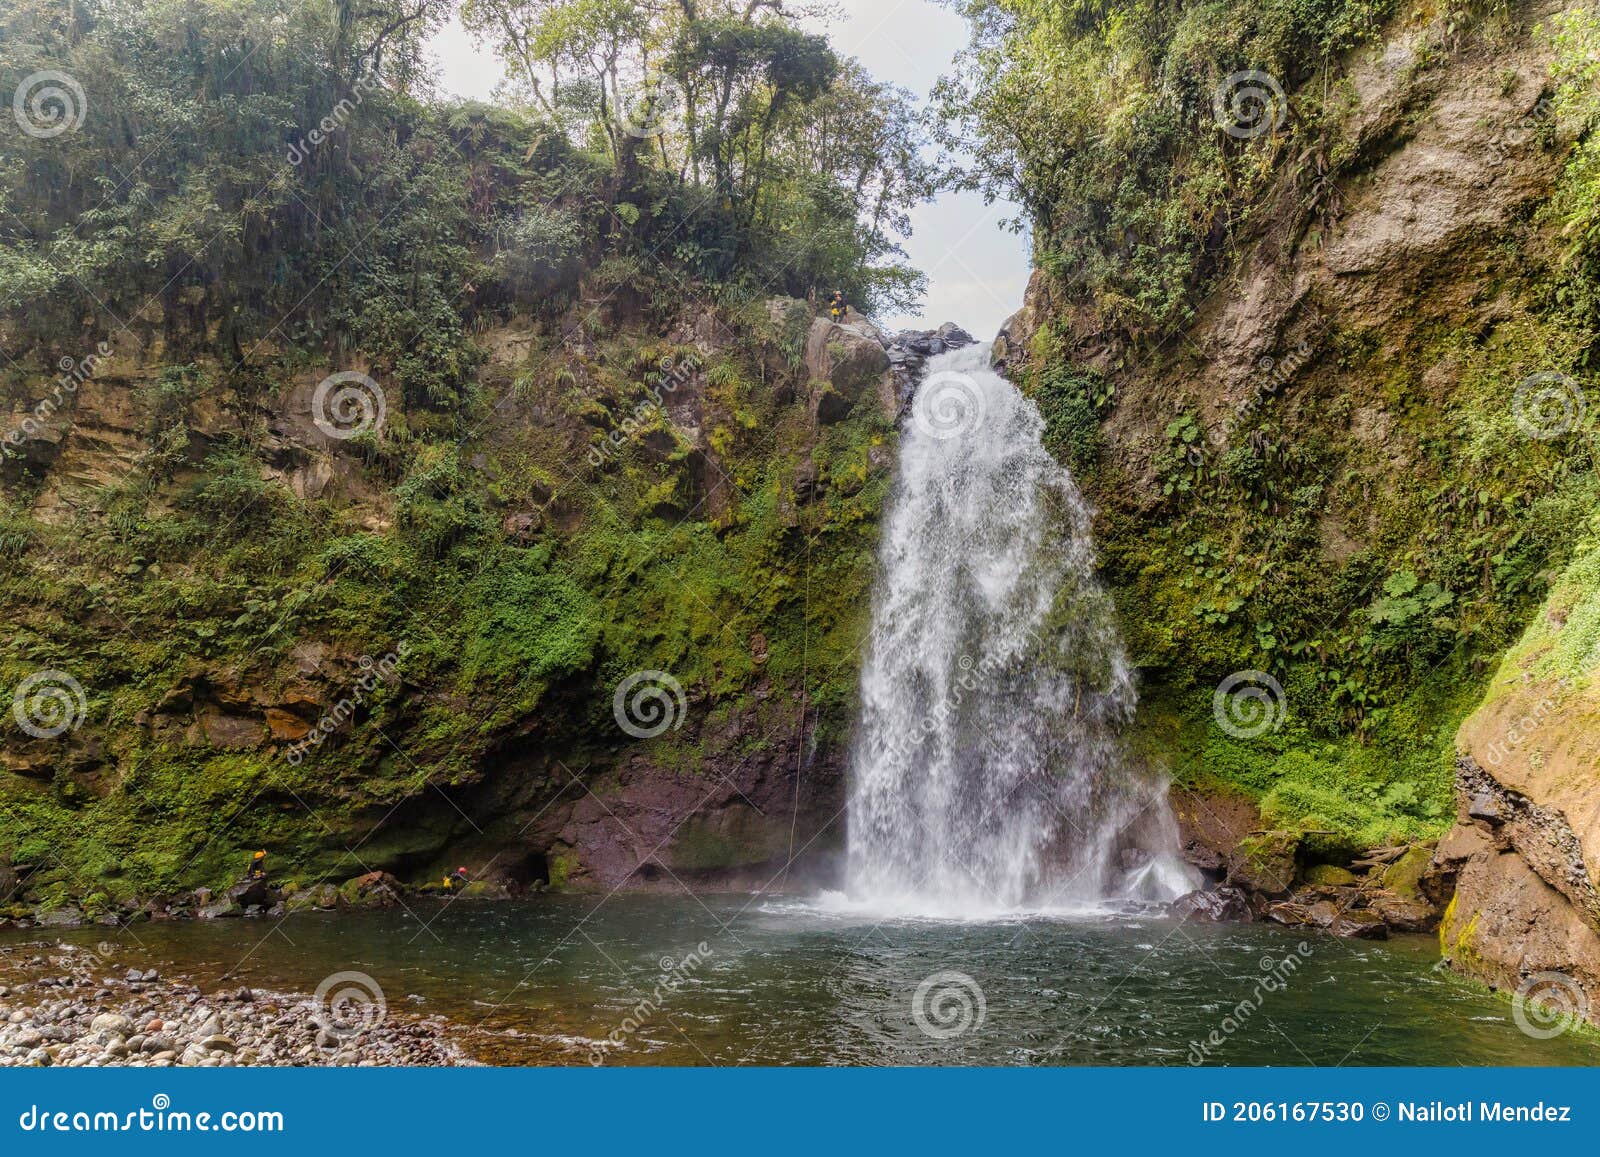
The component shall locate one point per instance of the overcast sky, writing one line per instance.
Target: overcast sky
(976, 270)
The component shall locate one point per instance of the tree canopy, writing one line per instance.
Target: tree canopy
(251, 174)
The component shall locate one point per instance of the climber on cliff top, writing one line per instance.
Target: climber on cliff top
(837, 308)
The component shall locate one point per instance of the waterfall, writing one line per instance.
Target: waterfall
(985, 773)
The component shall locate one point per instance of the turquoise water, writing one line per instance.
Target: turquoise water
(574, 979)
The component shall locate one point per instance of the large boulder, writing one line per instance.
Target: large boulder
(373, 890)
(845, 362)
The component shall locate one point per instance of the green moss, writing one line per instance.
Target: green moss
(752, 596)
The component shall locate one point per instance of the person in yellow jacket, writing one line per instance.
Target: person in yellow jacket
(456, 880)
(837, 309)
(258, 866)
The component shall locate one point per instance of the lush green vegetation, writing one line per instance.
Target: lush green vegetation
(530, 521)
(1101, 119)
(1374, 541)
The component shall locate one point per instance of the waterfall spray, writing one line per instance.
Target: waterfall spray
(985, 773)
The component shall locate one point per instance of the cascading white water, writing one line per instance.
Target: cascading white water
(985, 772)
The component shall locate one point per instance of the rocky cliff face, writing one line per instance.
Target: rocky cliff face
(608, 643)
(1520, 865)
(1326, 508)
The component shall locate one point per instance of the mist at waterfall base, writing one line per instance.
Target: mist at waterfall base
(986, 776)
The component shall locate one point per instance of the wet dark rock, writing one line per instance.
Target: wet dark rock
(1361, 924)
(372, 890)
(910, 349)
(1219, 904)
(1289, 913)
(1484, 806)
